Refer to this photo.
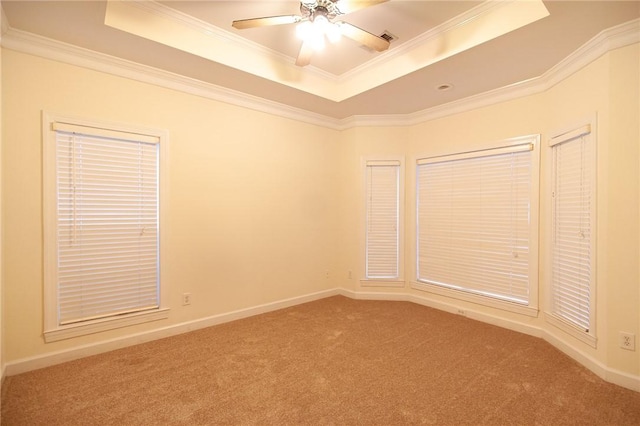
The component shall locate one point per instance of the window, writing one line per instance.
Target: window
(477, 225)
(573, 225)
(102, 215)
(383, 220)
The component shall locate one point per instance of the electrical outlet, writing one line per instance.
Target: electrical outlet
(186, 299)
(462, 312)
(628, 341)
(326, 274)
(349, 274)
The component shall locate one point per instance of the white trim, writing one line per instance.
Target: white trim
(58, 357)
(571, 134)
(53, 331)
(619, 36)
(446, 307)
(584, 126)
(504, 305)
(33, 44)
(516, 144)
(366, 295)
(393, 160)
(104, 324)
(381, 283)
(406, 47)
(523, 147)
(159, 9)
(101, 131)
(4, 22)
(611, 375)
(607, 40)
(483, 23)
(571, 329)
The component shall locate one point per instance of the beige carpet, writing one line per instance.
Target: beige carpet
(333, 361)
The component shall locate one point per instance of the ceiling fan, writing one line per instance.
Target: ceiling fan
(315, 23)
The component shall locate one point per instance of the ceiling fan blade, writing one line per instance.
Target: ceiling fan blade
(363, 37)
(266, 21)
(348, 6)
(304, 56)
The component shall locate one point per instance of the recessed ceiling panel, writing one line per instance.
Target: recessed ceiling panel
(177, 29)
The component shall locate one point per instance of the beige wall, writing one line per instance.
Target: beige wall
(358, 143)
(2, 345)
(622, 282)
(252, 206)
(261, 206)
(607, 87)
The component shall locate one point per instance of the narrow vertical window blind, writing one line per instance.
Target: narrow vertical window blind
(572, 228)
(107, 223)
(474, 222)
(382, 236)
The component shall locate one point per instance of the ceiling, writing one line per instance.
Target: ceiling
(472, 46)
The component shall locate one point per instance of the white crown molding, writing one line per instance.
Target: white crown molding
(33, 44)
(619, 36)
(216, 32)
(4, 23)
(423, 38)
(610, 39)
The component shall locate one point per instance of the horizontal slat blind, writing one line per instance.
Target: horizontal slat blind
(382, 194)
(107, 226)
(473, 224)
(572, 233)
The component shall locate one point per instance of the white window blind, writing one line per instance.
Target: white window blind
(382, 245)
(572, 227)
(107, 223)
(474, 222)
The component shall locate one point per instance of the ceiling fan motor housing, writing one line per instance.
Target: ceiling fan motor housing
(327, 8)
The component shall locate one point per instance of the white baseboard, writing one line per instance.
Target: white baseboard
(53, 358)
(608, 374)
(611, 375)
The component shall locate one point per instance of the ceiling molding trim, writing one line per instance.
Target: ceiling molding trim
(4, 23)
(610, 39)
(418, 41)
(33, 44)
(160, 24)
(197, 38)
(212, 31)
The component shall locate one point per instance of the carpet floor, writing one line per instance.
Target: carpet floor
(333, 361)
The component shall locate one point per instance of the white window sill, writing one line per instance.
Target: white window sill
(476, 298)
(571, 329)
(382, 283)
(103, 324)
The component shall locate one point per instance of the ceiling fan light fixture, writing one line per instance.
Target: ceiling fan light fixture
(320, 22)
(304, 30)
(309, 33)
(317, 41)
(333, 32)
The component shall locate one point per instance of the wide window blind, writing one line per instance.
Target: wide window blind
(382, 192)
(474, 222)
(572, 227)
(107, 223)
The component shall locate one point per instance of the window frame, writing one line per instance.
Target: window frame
(558, 137)
(398, 281)
(53, 330)
(531, 309)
